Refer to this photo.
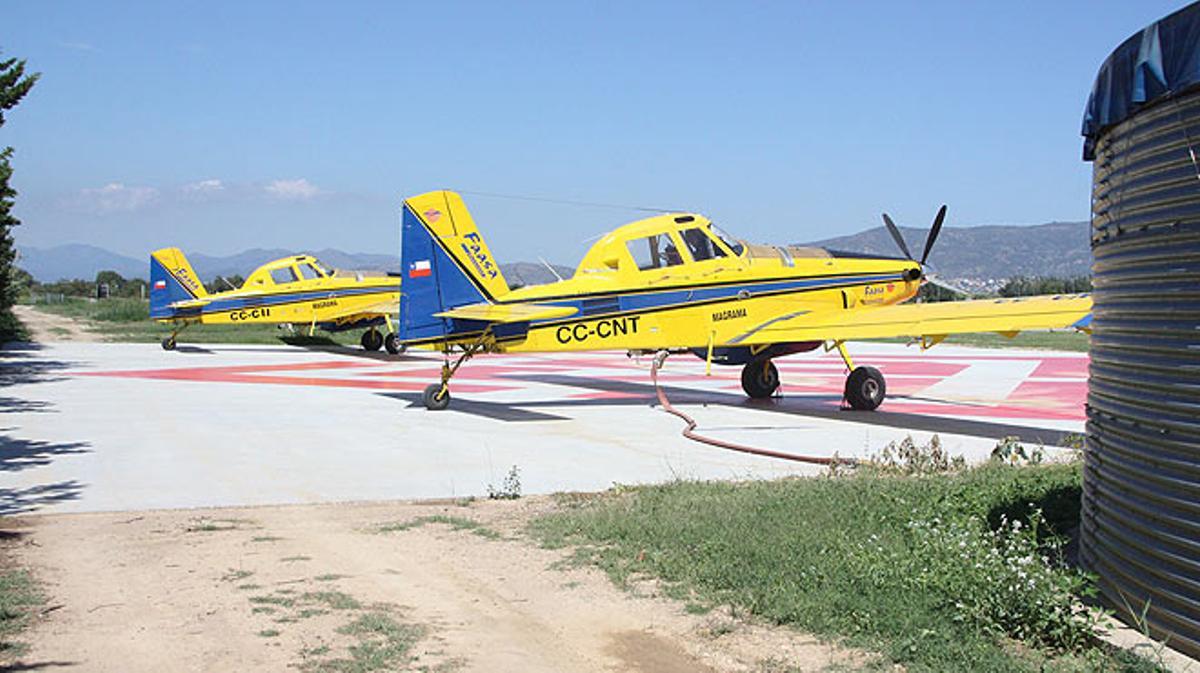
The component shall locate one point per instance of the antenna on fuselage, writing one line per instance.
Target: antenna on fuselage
(549, 266)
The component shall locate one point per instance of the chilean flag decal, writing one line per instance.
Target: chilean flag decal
(160, 285)
(419, 269)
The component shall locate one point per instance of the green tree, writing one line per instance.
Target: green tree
(14, 84)
(1024, 286)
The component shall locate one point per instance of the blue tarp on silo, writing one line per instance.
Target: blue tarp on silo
(1161, 60)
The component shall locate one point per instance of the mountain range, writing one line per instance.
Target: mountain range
(77, 260)
(985, 254)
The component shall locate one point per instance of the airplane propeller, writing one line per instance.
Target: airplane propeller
(929, 240)
(933, 232)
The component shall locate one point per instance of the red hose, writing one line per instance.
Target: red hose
(659, 359)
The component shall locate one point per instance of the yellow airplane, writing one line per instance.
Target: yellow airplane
(294, 290)
(676, 282)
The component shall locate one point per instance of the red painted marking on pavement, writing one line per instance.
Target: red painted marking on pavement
(821, 378)
(1062, 368)
(250, 374)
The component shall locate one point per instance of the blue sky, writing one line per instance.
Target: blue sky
(221, 126)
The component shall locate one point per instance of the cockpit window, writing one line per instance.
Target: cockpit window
(732, 242)
(309, 271)
(283, 275)
(700, 245)
(654, 252)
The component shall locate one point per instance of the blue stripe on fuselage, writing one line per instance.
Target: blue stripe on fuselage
(236, 303)
(682, 297)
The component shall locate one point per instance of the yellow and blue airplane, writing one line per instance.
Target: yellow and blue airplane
(295, 290)
(676, 282)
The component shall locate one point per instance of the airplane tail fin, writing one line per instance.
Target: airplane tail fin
(445, 264)
(172, 279)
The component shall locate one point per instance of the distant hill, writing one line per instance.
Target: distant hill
(992, 252)
(77, 260)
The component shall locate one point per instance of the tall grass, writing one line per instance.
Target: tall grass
(937, 573)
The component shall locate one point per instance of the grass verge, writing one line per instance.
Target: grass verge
(946, 572)
(19, 597)
(120, 319)
(11, 328)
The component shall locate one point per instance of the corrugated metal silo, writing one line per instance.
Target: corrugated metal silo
(1141, 501)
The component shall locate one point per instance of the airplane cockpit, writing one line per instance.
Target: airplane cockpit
(287, 270)
(682, 240)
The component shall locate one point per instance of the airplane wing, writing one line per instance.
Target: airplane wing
(929, 321)
(507, 313)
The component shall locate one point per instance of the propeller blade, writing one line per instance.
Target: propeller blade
(933, 233)
(931, 278)
(895, 232)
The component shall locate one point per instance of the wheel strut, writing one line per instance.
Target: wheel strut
(437, 395)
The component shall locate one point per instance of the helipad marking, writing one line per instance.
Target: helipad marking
(1025, 386)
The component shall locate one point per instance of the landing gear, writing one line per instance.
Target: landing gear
(760, 379)
(437, 395)
(372, 340)
(392, 343)
(865, 388)
(168, 343)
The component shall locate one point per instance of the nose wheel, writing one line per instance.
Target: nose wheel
(865, 388)
(760, 379)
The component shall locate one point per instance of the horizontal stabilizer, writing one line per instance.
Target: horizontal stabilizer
(507, 313)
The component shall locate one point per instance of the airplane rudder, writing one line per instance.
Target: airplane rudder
(172, 279)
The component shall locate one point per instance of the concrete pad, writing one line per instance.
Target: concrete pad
(90, 426)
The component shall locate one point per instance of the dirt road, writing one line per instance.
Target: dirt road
(46, 327)
(380, 586)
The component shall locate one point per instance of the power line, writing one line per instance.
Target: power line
(587, 204)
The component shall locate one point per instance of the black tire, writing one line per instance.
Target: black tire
(371, 340)
(434, 398)
(168, 344)
(865, 388)
(760, 379)
(391, 342)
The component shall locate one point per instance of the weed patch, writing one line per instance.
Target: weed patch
(383, 644)
(335, 600)
(455, 522)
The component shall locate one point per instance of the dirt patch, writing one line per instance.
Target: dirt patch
(348, 587)
(47, 327)
(641, 651)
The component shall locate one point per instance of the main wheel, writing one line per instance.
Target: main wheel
(865, 388)
(434, 398)
(168, 344)
(372, 340)
(392, 343)
(760, 379)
